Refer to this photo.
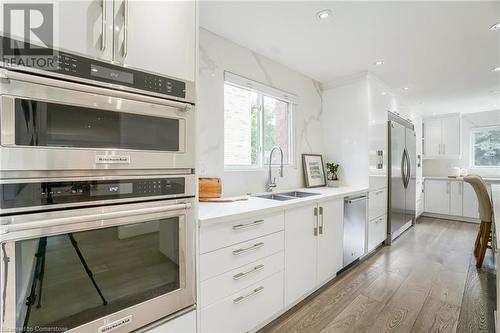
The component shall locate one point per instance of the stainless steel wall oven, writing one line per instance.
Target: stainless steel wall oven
(49, 124)
(91, 254)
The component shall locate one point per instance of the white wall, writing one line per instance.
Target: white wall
(218, 54)
(469, 120)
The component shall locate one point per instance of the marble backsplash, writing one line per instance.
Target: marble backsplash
(217, 55)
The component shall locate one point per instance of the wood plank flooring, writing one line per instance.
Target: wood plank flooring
(425, 282)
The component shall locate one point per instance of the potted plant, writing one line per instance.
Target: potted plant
(332, 174)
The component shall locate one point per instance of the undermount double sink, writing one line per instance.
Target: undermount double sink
(287, 195)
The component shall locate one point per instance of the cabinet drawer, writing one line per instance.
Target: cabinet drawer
(220, 235)
(377, 204)
(234, 256)
(377, 232)
(246, 309)
(224, 285)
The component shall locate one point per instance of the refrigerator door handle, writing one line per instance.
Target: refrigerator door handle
(403, 176)
(408, 168)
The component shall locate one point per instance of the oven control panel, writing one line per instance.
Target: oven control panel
(77, 66)
(20, 195)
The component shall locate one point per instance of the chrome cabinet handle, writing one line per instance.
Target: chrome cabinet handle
(379, 191)
(439, 149)
(250, 271)
(448, 185)
(103, 25)
(248, 249)
(248, 225)
(252, 293)
(125, 28)
(444, 148)
(322, 220)
(363, 197)
(315, 232)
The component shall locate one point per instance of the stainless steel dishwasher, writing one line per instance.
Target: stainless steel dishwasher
(355, 210)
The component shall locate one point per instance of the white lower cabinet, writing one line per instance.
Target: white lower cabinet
(377, 232)
(470, 203)
(455, 198)
(244, 310)
(313, 247)
(377, 204)
(182, 324)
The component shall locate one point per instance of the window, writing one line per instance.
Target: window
(485, 147)
(254, 122)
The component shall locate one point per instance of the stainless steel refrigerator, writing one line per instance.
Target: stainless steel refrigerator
(402, 176)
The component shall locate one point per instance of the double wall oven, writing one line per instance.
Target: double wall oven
(97, 196)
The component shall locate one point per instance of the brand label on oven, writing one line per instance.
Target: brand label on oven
(114, 325)
(112, 159)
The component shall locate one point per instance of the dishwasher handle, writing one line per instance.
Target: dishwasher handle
(353, 200)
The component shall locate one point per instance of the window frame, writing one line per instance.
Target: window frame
(472, 162)
(262, 162)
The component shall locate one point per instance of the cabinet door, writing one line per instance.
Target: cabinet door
(470, 203)
(377, 232)
(437, 196)
(432, 137)
(451, 136)
(330, 239)
(156, 36)
(183, 324)
(81, 26)
(300, 252)
(456, 198)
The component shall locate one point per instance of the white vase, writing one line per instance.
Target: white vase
(333, 183)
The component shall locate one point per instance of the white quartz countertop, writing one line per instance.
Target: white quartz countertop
(495, 198)
(486, 179)
(225, 211)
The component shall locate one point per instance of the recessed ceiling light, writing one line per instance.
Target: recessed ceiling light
(324, 14)
(497, 91)
(496, 69)
(495, 26)
(406, 88)
(378, 62)
(383, 93)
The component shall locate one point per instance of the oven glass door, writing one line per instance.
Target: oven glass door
(44, 124)
(67, 280)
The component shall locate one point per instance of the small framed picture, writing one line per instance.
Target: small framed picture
(314, 171)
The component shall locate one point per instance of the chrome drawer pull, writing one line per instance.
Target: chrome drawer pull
(252, 293)
(248, 249)
(243, 274)
(248, 225)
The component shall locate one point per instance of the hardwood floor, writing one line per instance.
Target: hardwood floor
(425, 282)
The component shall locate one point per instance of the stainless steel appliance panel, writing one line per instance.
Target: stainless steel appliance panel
(397, 212)
(85, 157)
(77, 245)
(355, 217)
(411, 189)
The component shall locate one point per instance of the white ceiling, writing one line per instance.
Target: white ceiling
(442, 51)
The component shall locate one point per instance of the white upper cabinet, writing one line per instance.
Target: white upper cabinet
(442, 137)
(84, 27)
(157, 36)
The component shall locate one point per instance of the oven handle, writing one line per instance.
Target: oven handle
(92, 217)
(11, 75)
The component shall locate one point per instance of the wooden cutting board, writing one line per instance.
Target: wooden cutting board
(230, 199)
(209, 187)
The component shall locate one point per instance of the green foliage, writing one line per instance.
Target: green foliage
(333, 168)
(487, 147)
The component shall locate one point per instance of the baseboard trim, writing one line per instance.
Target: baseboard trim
(451, 217)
